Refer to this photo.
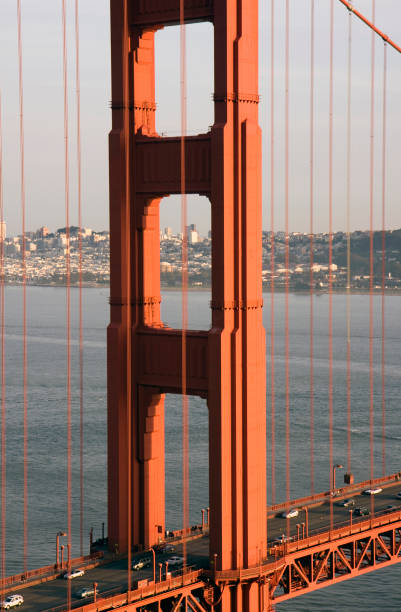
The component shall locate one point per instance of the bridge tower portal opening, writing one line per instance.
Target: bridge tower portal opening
(225, 364)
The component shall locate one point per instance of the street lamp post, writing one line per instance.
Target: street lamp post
(298, 528)
(94, 591)
(59, 534)
(203, 519)
(160, 571)
(62, 556)
(338, 466)
(306, 520)
(154, 564)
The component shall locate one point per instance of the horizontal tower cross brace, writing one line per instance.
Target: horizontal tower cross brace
(157, 371)
(158, 165)
(167, 12)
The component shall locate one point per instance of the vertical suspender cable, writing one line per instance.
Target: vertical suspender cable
(311, 310)
(81, 352)
(126, 126)
(371, 251)
(23, 262)
(185, 446)
(287, 252)
(3, 370)
(383, 330)
(349, 93)
(68, 292)
(272, 262)
(330, 330)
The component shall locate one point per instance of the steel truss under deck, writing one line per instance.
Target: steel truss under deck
(306, 565)
(335, 561)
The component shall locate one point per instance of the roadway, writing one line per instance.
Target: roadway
(112, 577)
(319, 515)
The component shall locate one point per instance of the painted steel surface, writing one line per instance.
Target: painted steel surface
(226, 365)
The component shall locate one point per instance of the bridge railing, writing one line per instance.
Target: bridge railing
(179, 535)
(52, 571)
(342, 492)
(339, 531)
(342, 530)
(249, 572)
(49, 570)
(115, 598)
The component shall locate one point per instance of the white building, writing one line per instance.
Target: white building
(193, 237)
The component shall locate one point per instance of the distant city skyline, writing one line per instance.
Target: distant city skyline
(46, 250)
(168, 230)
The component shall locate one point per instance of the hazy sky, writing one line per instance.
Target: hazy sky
(42, 59)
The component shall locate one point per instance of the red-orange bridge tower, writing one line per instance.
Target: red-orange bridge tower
(226, 365)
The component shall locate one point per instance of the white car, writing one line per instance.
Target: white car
(140, 564)
(76, 573)
(373, 491)
(87, 592)
(11, 601)
(292, 513)
(175, 560)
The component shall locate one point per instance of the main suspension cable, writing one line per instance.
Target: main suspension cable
(371, 25)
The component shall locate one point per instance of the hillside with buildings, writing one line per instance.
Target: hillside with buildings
(45, 258)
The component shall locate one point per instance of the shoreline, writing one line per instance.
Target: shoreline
(335, 291)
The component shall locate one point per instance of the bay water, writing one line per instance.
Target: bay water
(47, 419)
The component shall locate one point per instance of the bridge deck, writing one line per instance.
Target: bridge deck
(112, 577)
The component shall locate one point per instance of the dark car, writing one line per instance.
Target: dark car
(164, 548)
(361, 512)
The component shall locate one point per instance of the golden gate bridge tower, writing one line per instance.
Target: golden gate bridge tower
(225, 365)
